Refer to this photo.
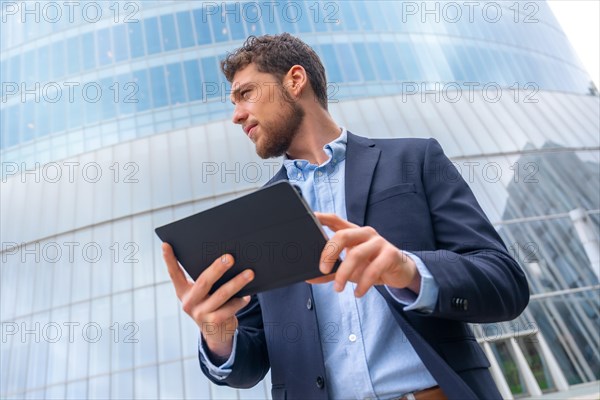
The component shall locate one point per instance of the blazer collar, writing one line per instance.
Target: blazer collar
(361, 159)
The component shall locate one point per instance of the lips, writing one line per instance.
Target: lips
(250, 130)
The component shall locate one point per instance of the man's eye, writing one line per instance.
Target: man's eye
(245, 94)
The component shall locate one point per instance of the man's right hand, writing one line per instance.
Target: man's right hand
(214, 313)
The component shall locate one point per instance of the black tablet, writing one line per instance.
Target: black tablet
(271, 231)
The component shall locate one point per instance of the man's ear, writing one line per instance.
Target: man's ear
(295, 80)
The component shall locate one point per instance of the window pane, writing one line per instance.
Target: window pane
(202, 27)
(159, 88)
(87, 47)
(136, 40)
(169, 36)
(43, 61)
(143, 94)
(120, 48)
(58, 59)
(73, 55)
(219, 27)
(105, 53)
(332, 69)
(193, 79)
(211, 75)
(152, 35)
(176, 85)
(29, 67)
(364, 61)
(186, 32)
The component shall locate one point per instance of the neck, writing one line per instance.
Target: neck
(317, 129)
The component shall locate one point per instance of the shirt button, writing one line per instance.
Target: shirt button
(320, 382)
(319, 173)
(299, 176)
(309, 304)
(352, 337)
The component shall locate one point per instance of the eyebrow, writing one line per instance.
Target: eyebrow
(235, 93)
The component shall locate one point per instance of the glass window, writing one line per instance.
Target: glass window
(28, 121)
(332, 69)
(186, 31)
(75, 112)
(167, 318)
(176, 84)
(349, 68)
(219, 26)
(289, 15)
(122, 385)
(152, 35)
(52, 115)
(160, 97)
(77, 361)
(380, 64)
(171, 381)
(73, 55)
(408, 60)
(193, 79)
(347, 20)
(252, 15)
(43, 60)
(104, 48)
(236, 27)
(58, 59)
(136, 39)
(29, 68)
(202, 27)
(15, 69)
(99, 387)
(145, 320)
(109, 97)
(143, 93)
(364, 60)
(211, 74)
(88, 51)
(169, 35)
(12, 123)
(361, 9)
(146, 380)
(120, 42)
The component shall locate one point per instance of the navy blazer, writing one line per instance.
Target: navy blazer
(410, 192)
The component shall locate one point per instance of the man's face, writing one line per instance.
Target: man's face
(268, 115)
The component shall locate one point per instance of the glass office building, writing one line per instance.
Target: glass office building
(115, 119)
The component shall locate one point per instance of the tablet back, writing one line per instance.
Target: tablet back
(271, 231)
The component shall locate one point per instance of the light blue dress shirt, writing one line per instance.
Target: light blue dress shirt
(366, 354)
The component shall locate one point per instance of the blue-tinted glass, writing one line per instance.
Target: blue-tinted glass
(87, 47)
(28, 121)
(43, 119)
(408, 60)
(377, 13)
(186, 31)
(58, 59)
(11, 134)
(364, 20)
(136, 39)
(73, 55)
(269, 18)
(201, 21)
(143, 95)
(453, 61)
(252, 18)
(56, 113)
(3, 128)
(160, 97)
(349, 68)
(29, 63)
(15, 69)
(175, 83)
(219, 27)
(236, 27)
(43, 60)
(463, 55)
(110, 95)
(128, 93)
(119, 38)
(290, 13)
(347, 20)
(92, 94)
(152, 35)
(105, 53)
(193, 79)
(211, 76)
(169, 35)
(332, 69)
(365, 63)
(379, 60)
(393, 59)
(75, 109)
(4, 71)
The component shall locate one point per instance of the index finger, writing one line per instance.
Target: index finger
(334, 222)
(177, 276)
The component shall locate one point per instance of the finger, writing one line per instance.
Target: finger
(339, 241)
(178, 278)
(356, 261)
(207, 279)
(228, 290)
(223, 313)
(372, 273)
(334, 222)
(321, 279)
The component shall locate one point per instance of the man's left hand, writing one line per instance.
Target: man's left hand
(370, 259)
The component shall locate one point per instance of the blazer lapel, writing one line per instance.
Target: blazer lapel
(361, 159)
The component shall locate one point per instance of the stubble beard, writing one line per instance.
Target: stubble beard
(277, 135)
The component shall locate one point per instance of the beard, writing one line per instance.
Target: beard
(277, 135)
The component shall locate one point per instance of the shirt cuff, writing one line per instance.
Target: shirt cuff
(427, 298)
(218, 372)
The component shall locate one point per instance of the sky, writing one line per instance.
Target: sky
(580, 20)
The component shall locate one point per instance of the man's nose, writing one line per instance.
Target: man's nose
(239, 115)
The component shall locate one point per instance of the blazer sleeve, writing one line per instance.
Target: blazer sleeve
(251, 361)
(478, 279)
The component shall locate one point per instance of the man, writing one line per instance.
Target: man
(420, 259)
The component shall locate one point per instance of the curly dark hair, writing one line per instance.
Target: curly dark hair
(276, 54)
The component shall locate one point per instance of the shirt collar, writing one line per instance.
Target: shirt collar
(336, 150)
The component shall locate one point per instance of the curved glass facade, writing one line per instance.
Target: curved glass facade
(115, 119)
